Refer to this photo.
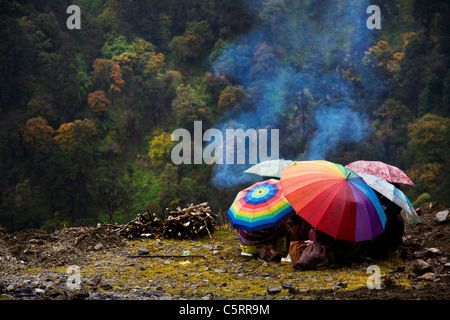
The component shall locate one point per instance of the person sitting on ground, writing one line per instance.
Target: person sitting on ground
(297, 229)
(392, 236)
(269, 244)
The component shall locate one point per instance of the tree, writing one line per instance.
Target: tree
(168, 179)
(215, 84)
(117, 82)
(217, 50)
(430, 97)
(37, 134)
(155, 64)
(446, 95)
(179, 46)
(98, 101)
(424, 12)
(202, 37)
(107, 75)
(429, 140)
(384, 56)
(40, 105)
(141, 46)
(110, 188)
(154, 94)
(391, 125)
(159, 149)
(189, 106)
(273, 13)
(231, 96)
(76, 139)
(26, 206)
(263, 61)
(126, 62)
(101, 73)
(118, 46)
(108, 18)
(234, 18)
(411, 75)
(193, 44)
(17, 56)
(165, 34)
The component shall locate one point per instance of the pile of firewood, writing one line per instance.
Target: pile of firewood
(195, 221)
(144, 225)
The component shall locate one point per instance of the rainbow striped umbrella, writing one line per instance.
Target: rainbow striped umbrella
(260, 206)
(334, 200)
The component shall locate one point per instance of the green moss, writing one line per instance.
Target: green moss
(243, 278)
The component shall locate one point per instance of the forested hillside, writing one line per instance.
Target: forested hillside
(87, 114)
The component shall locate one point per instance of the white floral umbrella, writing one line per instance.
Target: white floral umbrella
(270, 168)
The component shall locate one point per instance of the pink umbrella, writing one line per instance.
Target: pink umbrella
(381, 170)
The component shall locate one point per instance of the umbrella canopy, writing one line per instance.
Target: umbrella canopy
(334, 200)
(269, 168)
(260, 206)
(409, 215)
(380, 169)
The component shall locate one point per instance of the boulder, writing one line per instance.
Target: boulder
(418, 266)
(442, 216)
(273, 289)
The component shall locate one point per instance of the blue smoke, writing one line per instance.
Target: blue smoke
(300, 45)
(335, 124)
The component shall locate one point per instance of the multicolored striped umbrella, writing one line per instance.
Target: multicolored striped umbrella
(380, 169)
(260, 206)
(408, 214)
(334, 200)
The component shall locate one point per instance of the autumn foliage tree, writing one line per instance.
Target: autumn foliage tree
(37, 133)
(101, 73)
(384, 56)
(73, 136)
(98, 101)
(155, 64)
(117, 83)
(107, 75)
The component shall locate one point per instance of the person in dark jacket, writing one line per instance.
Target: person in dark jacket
(391, 238)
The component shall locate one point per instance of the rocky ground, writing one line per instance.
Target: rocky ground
(95, 263)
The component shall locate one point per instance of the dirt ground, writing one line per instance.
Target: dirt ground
(33, 265)
(428, 242)
(32, 248)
